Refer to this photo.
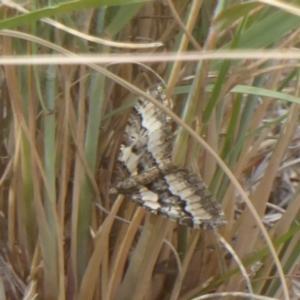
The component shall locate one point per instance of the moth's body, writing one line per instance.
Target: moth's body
(152, 181)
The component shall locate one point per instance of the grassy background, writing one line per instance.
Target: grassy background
(62, 235)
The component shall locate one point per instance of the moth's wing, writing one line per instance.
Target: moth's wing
(130, 184)
(158, 126)
(148, 135)
(133, 145)
(187, 192)
(180, 196)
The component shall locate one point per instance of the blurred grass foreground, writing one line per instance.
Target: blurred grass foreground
(70, 73)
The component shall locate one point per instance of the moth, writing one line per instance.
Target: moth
(148, 177)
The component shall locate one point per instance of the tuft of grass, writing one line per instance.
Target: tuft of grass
(62, 235)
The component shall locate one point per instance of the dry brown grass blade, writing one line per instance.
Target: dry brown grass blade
(90, 278)
(194, 238)
(118, 262)
(194, 10)
(78, 126)
(138, 275)
(260, 197)
(288, 217)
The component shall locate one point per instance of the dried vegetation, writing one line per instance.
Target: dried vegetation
(62, 235)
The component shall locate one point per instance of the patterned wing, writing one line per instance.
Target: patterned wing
(176, 194)
(148, 135)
